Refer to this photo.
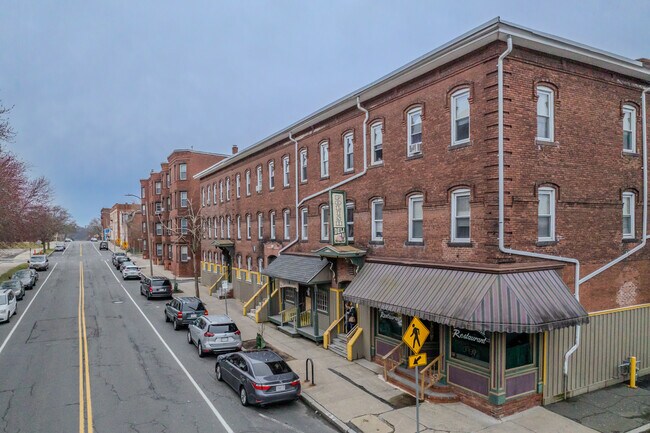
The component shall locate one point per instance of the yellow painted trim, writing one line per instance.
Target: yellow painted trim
(353, 340)
(211, 289)
(618, 310)
(327, 333)
(247, 303)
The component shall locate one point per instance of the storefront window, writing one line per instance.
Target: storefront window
(389, 324)
(473, 346)
(290, 295)
(519, 350)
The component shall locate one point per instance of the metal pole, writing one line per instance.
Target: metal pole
(148, 237)
(417, 400)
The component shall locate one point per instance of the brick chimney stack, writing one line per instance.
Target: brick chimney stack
(235, 149)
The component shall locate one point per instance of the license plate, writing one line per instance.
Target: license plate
(192, 316)
(224, 338)
(279, 388)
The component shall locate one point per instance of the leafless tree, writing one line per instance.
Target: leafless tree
(6, 133)
(94, 228)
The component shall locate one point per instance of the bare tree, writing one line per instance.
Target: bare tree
(6, 133)
(94, 228)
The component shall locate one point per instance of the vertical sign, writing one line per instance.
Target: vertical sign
(338, 218)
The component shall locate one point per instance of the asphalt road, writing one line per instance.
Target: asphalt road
(142, 375)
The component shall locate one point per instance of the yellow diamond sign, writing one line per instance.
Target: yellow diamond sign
(415, 335)
(418, 360)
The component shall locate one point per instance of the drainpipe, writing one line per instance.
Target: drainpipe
(336, 185)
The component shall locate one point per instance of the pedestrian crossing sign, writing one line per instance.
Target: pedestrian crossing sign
(416, 334)
(418, 360)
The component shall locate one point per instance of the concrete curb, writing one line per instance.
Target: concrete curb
(329, 416)
(643, 428)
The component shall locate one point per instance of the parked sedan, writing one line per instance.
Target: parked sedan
(119, 259)
(7, 304)
(40, 262)
(27, 277)
(15, 286)
(130, 271)
(184, 310)
(59, 247)
(259, 376)
(214, 334)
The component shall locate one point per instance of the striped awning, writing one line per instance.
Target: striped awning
(529, 302)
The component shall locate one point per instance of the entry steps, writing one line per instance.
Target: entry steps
(339, 345)
(404, 378)
(251, 313)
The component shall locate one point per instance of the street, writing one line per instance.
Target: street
(135, 374)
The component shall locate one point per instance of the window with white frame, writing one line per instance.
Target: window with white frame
(221, 191)
(377, 224)
(142, 192)
(183, 199)
(159, 206)
(348, 151)
(158, 188)
(209, 223)
(629, 129)
(170, 250)
(271, 175)
(628, 215)
(214, 224)
(169, 203)
(248, 226)
(248, 182)
(350, 220)
(182, 171)
(238, 226)
(238, 185)
(322, 298)
(144, 227)
(260, 226)
(460, 216)
(414, 132)
(376, 143)
(460, 117)
(227, 189)
(303, 165)
(285, 171)
(272, 222)
(324, 223)
(159, 250)
(214, 193)
(207, 197)
(184, 253)
(304, 228)
(183, 226)
(258, 185)
(238, 261)
(223, 233)
(159, 229)
(169, 180)
(545, 114)
(416, 218)
(249, 267)
(228, 224)
(260, 264)
(546, 214)
(286, 223)
(324, 159)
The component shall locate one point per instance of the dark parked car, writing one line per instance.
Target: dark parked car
(182, 311)
(119, 259)
(155, 287)
(103, 245)
(16, 287)
(259, 377)
(27, 277)
(115, 256)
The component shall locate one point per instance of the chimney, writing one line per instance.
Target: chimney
(235, 149)
(645, 61)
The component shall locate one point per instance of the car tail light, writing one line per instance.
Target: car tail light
(208, 334)
(295, 382)
(205, 312)
(238, 332)
(260, 387)
(150, 289)
(179, 315)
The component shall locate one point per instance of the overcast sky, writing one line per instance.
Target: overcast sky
(103, 91)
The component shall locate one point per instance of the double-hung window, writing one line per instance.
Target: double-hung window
(628, 215)
(159, 250)
(227, 189)
(285, 171)
(376, 143)
(416, 218)
(238, 226)
(183, 198)
(304, 228)
(272, 222)
(629, 129)
(214, 193)
(324, 223)
(350, 221)
(460, 117)
(271, 175)
(414, 138)
(238, 185)
(223, 233)
(545, 116)
(228, 227)
(158, 187)
(258, 187)
(248, 226)
(159, 229)
(209, 224)
(303, 165)
(184, 254)
(286, 223)
(183, 226)
(377, 225)
(546, 214)
(260, 264)
(248, 182)
(260, 226)
(348, 150)
(221, 191)
(460, 216)
(324, 160)
(182, 171)
(207, 197)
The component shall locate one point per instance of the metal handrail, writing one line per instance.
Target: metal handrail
(211, 289)
(389, 363)
(253, 298)
(428, 373)
(264, 304)
(326, 334)
(351, 331)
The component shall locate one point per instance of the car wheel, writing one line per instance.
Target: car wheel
(167, 318)
(243, 397)
(217, 370)
(201, 354)
(176, 325)
(189, 338)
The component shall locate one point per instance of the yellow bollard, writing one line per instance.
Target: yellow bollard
(633, 372)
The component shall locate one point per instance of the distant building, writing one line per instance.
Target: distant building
(119, 215)
(105, 218)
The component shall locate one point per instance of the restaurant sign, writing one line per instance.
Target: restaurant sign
(338, 218)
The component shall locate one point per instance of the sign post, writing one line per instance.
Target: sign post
(414, 337)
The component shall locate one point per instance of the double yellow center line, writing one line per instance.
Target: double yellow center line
(85, 402)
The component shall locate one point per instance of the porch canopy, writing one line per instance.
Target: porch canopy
(301, 269)
(528, 302)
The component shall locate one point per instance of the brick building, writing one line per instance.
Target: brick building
(118, 217)
(472, 202)
(172, 195)
(105, 217)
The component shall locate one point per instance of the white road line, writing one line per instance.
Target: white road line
(93, 244)
(187, 373)
(280, 423)
(4, 343)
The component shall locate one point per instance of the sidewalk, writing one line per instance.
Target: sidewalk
(354, 396)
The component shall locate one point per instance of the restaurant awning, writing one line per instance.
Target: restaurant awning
(529, 302)
(301, 269)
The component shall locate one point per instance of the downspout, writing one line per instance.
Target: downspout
(336, 185)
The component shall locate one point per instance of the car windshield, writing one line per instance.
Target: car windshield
(10, 284)
(223, 328)
(160, 283)
(195, 305)
(3, 299)
(270, 368)
(23, 274)
(38, 259)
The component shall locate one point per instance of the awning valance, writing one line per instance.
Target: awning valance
(302, 269)
(527, 302)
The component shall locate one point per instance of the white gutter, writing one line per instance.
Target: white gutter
(329, 188)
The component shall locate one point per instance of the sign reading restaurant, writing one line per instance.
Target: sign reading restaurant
(338, 218)
(476, 337)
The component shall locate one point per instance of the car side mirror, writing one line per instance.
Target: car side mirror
(168, 304)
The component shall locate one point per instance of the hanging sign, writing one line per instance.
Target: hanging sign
(338, 218)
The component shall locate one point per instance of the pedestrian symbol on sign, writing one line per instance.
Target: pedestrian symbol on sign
(416, 335)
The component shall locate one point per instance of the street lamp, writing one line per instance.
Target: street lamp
(146, 215)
